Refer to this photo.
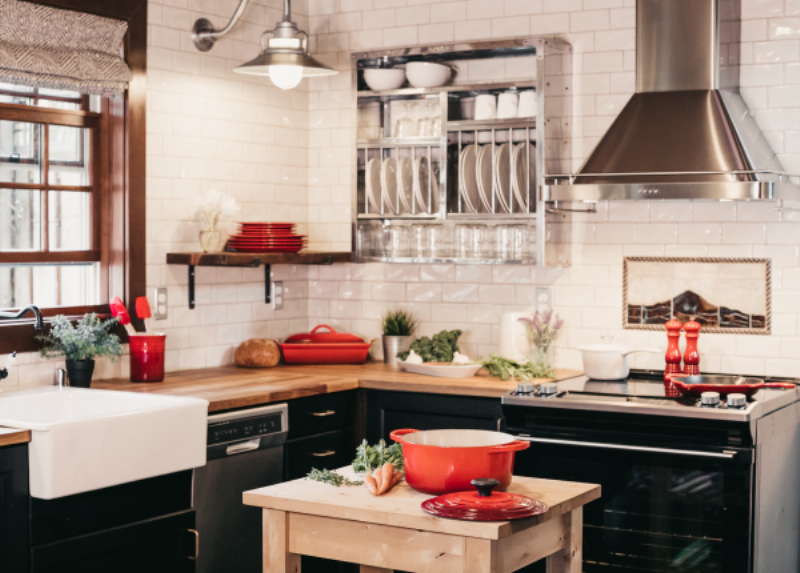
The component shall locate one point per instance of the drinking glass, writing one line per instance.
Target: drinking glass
(419, 240)
(394, 240)
(472, 241)
(405, 125)
(424, 125)
(512, 241)
(440, 241)
(435, 119)
(366, 240)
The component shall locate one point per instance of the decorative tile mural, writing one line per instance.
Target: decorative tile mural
(724, 295)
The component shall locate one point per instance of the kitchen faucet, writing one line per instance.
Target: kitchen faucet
(34, 309)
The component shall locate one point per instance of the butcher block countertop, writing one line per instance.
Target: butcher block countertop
(231, 387)
(12, 436)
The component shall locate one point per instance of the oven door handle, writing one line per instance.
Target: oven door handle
(726, 455)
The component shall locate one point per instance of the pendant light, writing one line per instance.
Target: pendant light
(284, 56)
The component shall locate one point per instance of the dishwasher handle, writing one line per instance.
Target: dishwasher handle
(727, 455)
(242, 447)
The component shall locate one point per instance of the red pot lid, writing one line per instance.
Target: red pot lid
(315, 337)
(484, 504)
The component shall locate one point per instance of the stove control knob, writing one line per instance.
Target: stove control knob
(548, 388)
(709, 398)
(737, 400)
(524, 388)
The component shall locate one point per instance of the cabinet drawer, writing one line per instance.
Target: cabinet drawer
(318, 414)
(327, 451)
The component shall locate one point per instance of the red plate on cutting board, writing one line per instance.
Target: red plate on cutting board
(484, 504)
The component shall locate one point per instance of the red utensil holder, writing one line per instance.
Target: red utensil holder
(147, 357)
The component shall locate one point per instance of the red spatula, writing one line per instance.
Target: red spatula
(143, 312)
(119, 311)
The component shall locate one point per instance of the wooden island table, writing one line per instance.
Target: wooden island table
(392, 532)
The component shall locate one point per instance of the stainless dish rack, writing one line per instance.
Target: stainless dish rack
(546, 140)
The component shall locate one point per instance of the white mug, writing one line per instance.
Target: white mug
(485, 107)
(507, 105)
(528, 102)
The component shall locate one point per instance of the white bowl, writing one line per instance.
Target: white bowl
(384, 78)
(427, 74)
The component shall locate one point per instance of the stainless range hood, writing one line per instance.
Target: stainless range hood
(686, 133)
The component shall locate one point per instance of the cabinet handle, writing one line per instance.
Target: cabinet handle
(196, 545)
(323, 454)
(323, 414)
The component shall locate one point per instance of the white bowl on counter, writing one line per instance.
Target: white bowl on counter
(427, 74)
(379, 79)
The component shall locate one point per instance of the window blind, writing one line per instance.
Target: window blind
(46, 47)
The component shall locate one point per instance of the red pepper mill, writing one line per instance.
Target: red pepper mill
(691, 358)
(673, 356)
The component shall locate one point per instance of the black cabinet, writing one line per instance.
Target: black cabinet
(146, 525)
(330, 450)
(322, 413)
(14, 541)
(388, 411)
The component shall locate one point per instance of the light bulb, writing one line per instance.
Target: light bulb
(286, 77)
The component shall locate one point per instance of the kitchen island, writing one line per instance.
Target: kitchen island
(391, 532)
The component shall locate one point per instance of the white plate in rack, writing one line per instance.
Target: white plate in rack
(502, 176)
(484, 175)
(469, 178)
(372, 178)
(405, 182)
(518, 178)
(389, 184)
(442, 370)
(422, 174)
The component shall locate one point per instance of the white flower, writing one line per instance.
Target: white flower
(215, 204)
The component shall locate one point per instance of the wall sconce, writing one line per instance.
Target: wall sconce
(284, 57)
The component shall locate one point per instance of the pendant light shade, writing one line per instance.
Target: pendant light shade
(284, 57)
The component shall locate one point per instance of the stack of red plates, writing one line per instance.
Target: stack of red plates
(266, 238)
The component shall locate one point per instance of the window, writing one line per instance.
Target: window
(51, 197)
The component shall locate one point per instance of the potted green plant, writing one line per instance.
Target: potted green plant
(398, 328)
(80, 344)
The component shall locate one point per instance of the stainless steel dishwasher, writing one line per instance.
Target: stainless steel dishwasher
(245, 451)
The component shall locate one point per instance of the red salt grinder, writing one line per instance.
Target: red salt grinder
(673, 355)
(691, 358)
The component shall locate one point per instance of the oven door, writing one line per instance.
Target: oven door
(662, 509)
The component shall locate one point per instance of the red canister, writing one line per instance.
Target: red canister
(147, 357)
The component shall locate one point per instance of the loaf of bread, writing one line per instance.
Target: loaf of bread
(257, 353)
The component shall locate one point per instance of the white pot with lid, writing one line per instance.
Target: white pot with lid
(609, 361)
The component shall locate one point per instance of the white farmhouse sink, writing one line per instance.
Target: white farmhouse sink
(85, 439)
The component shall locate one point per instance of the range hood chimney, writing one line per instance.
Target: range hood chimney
(686, 133)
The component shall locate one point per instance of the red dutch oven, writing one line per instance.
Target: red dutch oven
(325, 348)
(445, 461)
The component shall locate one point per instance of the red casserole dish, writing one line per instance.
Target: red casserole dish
(696, 385)
(445, 461)
(325, 348)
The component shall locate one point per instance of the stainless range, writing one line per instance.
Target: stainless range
(688, 487)
(644, 393)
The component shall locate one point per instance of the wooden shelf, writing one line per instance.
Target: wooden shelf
(252, 260)
(257, 259)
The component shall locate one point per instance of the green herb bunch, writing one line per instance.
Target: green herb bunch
(398, 323)
(369, 458)
(440, 348)
(90, 337)
(507, 369)
(331, 477)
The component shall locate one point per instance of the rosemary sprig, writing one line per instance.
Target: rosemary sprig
(331, 478)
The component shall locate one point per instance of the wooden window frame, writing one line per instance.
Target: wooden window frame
(119, 241)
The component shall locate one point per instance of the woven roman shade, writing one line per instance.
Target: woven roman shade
(46, 47)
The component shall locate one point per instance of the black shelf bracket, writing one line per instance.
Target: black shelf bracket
(254, 265)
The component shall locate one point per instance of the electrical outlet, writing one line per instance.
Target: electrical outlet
(277, 295)
(161, 304)
(544, 299)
